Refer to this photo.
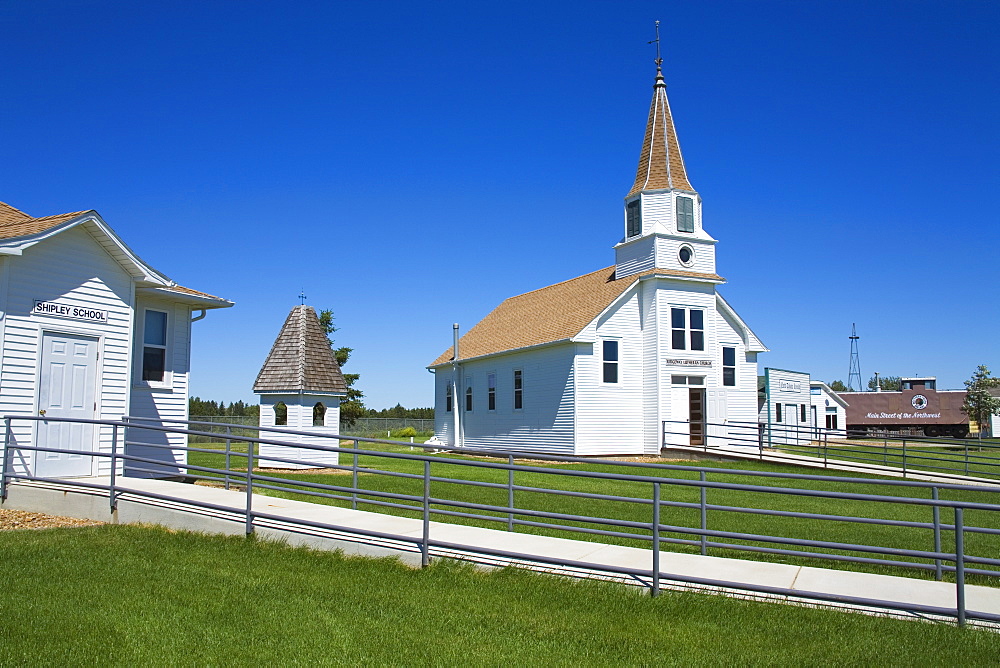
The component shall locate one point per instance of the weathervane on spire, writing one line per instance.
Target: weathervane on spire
(656, 41)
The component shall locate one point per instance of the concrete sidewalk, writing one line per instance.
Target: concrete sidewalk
(464, 542)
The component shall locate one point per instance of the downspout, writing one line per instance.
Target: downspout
(457, 400)
(199, 317)
(767, 401)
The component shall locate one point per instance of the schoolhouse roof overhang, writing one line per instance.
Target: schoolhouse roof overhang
(301, 360)
(553, 314)
(19, 231)
(661, 165)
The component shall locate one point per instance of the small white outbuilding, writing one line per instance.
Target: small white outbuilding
(88, 330)
(300, 387)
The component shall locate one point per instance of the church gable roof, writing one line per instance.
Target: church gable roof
(555, 313)
(301, 359)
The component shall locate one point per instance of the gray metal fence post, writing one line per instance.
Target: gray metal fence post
(904, 457)
(425, 557)
(6, 459)
(656, 540)
(937, 534)
(885, 451)
(228, 453)
(112, 497)
(510, 493)
(966, 459)
(354, 477)
(960, 564)
(704, 514)
(249, 516)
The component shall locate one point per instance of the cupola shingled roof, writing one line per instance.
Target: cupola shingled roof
(301, 359)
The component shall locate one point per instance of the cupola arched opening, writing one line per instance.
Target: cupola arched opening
(280, 414)
(319, 414)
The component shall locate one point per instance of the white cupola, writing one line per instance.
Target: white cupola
(300, 388)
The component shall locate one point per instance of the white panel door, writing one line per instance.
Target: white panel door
(718, 409)
(67, 388)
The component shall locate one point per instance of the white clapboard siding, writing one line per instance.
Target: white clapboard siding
(299, 411)
(609, 416)
(634, 257)
(668, 248)
(167, 401)
(71, 268)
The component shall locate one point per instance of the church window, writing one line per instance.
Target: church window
(686, 255)
(491, 391)
(447, 398)
(280, 414)
(319, 414)
(518, 389)
(685, 214)
(729, 366)
(633, 219)
(697, 329)
(678, 324)
(610, 358)
(468, 397)
(687, 325)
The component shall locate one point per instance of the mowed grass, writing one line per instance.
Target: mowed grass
(672, 490)
(974, 458)
(127, 595)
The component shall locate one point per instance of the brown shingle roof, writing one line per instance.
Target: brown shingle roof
(301, 359)
(16, 223)
(661, 165)
(556, 313)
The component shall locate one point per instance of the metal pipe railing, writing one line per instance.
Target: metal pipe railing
(653, 532)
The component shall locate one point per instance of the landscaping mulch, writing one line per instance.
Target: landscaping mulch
(21, 519)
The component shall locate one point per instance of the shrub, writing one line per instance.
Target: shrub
(405, 432)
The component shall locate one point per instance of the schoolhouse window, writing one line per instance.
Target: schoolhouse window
(518, 389)
(447, 398)
(610, 357)
(777, 412)
(319, 414)
(802, 417)
(685, 214)
(154, 345)
(491, 391)
(633, 219)
(468, 397)
(729, 366)
(280, 414)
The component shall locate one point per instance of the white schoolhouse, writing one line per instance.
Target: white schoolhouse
(88, 330)
(622, 360)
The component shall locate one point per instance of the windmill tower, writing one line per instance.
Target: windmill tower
(855, 369)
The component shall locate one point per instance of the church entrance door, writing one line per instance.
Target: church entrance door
(696, 408)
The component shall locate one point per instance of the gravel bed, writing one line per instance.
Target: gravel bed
(20, 519)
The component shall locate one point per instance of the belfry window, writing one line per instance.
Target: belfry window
(633, 219)
(319, 414)
(280, 414)
(685, 214)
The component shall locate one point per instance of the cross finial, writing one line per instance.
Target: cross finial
(656, 41)
(302, 296)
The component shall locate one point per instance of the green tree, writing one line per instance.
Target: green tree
(979, 404)
(351, 408)
(838, 386)
(888, 383)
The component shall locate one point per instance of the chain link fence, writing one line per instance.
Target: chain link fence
(372, 427)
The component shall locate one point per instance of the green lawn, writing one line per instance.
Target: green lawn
(126, 595)
(974, 460)
(811, 529)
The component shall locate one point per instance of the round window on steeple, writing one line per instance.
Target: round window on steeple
(686, 255)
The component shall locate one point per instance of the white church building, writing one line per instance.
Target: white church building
(622, 360)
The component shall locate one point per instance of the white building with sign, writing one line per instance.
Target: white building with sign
(88, 330)
(829, 411)
(786, 410)
(621, 360)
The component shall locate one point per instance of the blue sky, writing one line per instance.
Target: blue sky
(412, 165)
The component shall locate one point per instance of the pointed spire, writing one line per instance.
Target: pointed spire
(301, 359)
(661, 165)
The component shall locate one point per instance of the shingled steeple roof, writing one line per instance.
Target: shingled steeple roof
(661, 165)
(301, 359)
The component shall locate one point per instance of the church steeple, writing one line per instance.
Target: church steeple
(663, 225)
(661, 165)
